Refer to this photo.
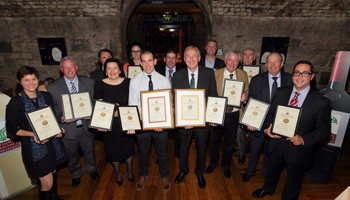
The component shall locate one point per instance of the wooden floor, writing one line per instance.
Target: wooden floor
(218, 187)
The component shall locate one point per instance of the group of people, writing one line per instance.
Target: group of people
(109, 84)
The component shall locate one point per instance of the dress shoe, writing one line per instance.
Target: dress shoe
(119, 179)
(260, 193)
(94, 175)
(201, 181)
(245, 177)
(180, 177)
(141, 183)
(131, 177)
(241, 159)
(209, 170)
(227, 173)
(75, 182)
(166, 184)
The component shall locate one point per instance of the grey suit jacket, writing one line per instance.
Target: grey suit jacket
(59, 87)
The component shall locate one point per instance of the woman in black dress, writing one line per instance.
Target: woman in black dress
(119, 146)
(41, 159)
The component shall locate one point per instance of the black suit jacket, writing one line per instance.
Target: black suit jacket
(314, 124)
(217, 65)
(162, 69)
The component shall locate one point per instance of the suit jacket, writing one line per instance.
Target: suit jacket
(59, 87)
(162, 69)
(314, 124)
(217, 65)
(97, 75)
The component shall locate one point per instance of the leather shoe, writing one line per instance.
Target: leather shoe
(131, 177)
(141, 183)
(201, 181)
(75, 182)
(94, 175)
(245, 177)
(180, 177)
(166, 184)
(260, 193)
(227, 173)
(209, 170)
(119, 179)
(241, 159)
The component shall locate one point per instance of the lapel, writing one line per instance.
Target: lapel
(81, 85)
(200, 77)
(284, 81)
(219, 80)
(64, 89)
(186, 81)
(265, 87)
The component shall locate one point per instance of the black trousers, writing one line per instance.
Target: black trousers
(257, 140)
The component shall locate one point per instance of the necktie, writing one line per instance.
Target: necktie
(294, 101)
(231, 76)
(170, 75)
(192, 84)
(150, 84)
(73, 89)
(274, 87)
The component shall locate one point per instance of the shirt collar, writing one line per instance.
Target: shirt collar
(278, 75)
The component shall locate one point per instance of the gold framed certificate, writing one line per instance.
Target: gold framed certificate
(233, 90)
(81, 105)
(129, 118)
(102, 116)
(216, 110)
(190, 107)
(43, 123)
(252, 70)
(133, 71)
(157, 109)
(286, 120)
(255, 113)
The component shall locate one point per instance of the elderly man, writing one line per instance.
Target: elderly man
(229, 130)
(77, 134)
(295, 152)
(209, 59)
(248, 57)
(201, 78)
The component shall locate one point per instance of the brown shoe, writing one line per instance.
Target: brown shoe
(141, 183)
(166, 184)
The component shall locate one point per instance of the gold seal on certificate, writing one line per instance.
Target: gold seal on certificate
(102, 116)
(255, 113)
(252, 70)
(216, 110)
(233, 90)
(286, 120)
(76, 105)
(43, 123)
(129, 118)
(133, 71)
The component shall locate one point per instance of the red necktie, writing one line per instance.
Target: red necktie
(294, 101)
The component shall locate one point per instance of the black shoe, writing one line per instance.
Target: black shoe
(180, 177)
(227, 173)
(119, 180)
(241, 159)
(131, 178)
(260, 193)
(201, 181)
(209, 170)
(157, 161)
(75, 182)
(94, 175)
(245, 177)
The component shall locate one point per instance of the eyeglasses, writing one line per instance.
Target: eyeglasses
(303, 74)
(137, 51)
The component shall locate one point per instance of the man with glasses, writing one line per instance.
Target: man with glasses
(209, 59)
(295, 152)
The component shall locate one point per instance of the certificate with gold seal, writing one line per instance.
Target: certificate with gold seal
(233, 90)
(190, 107)
(81, 105)
(43, 123)
(67, 107)
(134, 71)
(252, 70)
(157, 109)
(102, 116)
(129, 118)
(216, 110)
(255, 113)
(286, 120)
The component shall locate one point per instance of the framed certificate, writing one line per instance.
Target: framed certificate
(43, 123)
(255, 113)
(81, 105)
(216, 110)
(102, 116)
(286, 120)
(190, 107)
(67, 107)
(233, 90)
(157, 109)
(134, 71)
(251, 70)
(129, 118)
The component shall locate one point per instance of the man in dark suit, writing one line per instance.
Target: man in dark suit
(99, 73)
(262, 88)
(209, 59)
(77, 134)
(201, 78)
(295, 152)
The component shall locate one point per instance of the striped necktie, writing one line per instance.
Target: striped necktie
(73, 89)
(294, 101)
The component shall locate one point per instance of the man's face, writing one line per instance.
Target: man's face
(211, 48)
(104, 56)
(274, 64)
(170, 60)
(69, 69)
(148, 62)
(192, 59)
(301, 82)
(248, 57)
(232, 61)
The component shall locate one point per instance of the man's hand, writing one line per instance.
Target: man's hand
(268, 133)
(251, 128)
(158, 129)
(213, 125)
(296, 140)
(131, 131)
(243, 98)
(188, 127)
